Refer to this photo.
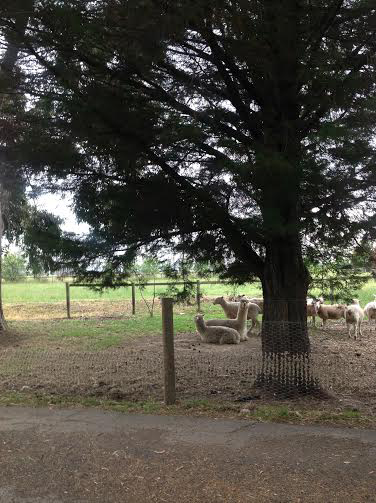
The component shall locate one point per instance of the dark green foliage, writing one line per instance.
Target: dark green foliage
(180, 271)
(228, 130)
(336, 280)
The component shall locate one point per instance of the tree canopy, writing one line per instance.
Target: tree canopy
(20, 220)
(239, 131)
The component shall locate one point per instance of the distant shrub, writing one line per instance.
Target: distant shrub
(14, 267)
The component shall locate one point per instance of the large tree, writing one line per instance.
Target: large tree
(235, 130)
(38, 232)
(12, 179)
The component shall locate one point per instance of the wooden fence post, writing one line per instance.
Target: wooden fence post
(198, 296)
(133, 299)
(168, 350)
(67, 295)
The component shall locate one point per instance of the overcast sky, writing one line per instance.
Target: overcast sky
(62, 207)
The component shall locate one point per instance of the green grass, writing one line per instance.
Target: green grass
(263, 413)
(100, 334)
(19, 293)
(46, 292)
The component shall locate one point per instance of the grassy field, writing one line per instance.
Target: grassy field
(20, 293)
(97, 334)
(48, 292)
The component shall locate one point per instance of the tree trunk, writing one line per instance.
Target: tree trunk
(286, 365)
(285, 284)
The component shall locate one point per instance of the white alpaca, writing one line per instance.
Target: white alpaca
(254, 300)
(231, 310)
(239, 323)
(216, 335)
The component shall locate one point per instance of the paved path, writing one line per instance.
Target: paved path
(87, 455)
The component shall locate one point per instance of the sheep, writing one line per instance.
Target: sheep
(354, 315)
(216, 335)
(239, 323)
(370, 310)
(313, 307)
(328, 312)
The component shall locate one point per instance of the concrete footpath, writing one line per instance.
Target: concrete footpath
(87, 455)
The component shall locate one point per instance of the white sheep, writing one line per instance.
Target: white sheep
(370, 310)
(216, 335)
(331, 312)
(239, 323)
(354, 315)
(313, 307)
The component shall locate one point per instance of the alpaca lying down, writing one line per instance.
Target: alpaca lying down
(216, 335)
(239, 323)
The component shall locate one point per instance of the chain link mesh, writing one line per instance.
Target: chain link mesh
(336, 364)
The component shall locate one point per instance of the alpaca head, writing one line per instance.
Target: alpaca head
(199, 321)
(219, 300)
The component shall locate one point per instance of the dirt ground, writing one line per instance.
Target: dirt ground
(79, 309)
(89, 456)
(133, 370)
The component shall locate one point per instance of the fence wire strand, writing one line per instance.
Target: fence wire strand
(229, 372)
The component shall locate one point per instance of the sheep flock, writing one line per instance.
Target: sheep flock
(234, 329)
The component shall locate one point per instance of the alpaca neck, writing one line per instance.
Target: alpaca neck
(200, 325)
(242, 313)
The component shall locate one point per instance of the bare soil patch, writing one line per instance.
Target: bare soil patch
(133, 370)
(79, 309)
(93, 456)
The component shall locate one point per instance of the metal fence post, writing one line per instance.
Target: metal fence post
(168, 350)
(133, 299)
(198, 296)
(67, 295)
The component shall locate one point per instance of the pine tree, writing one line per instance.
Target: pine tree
(234, 130)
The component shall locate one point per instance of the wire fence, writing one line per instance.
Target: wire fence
(331, 284)
(289, 359)
(136, 300)
(229, 372)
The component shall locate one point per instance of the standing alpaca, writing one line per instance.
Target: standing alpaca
(231, 309)
(239, 323)
(254, 300)
(216, 335)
